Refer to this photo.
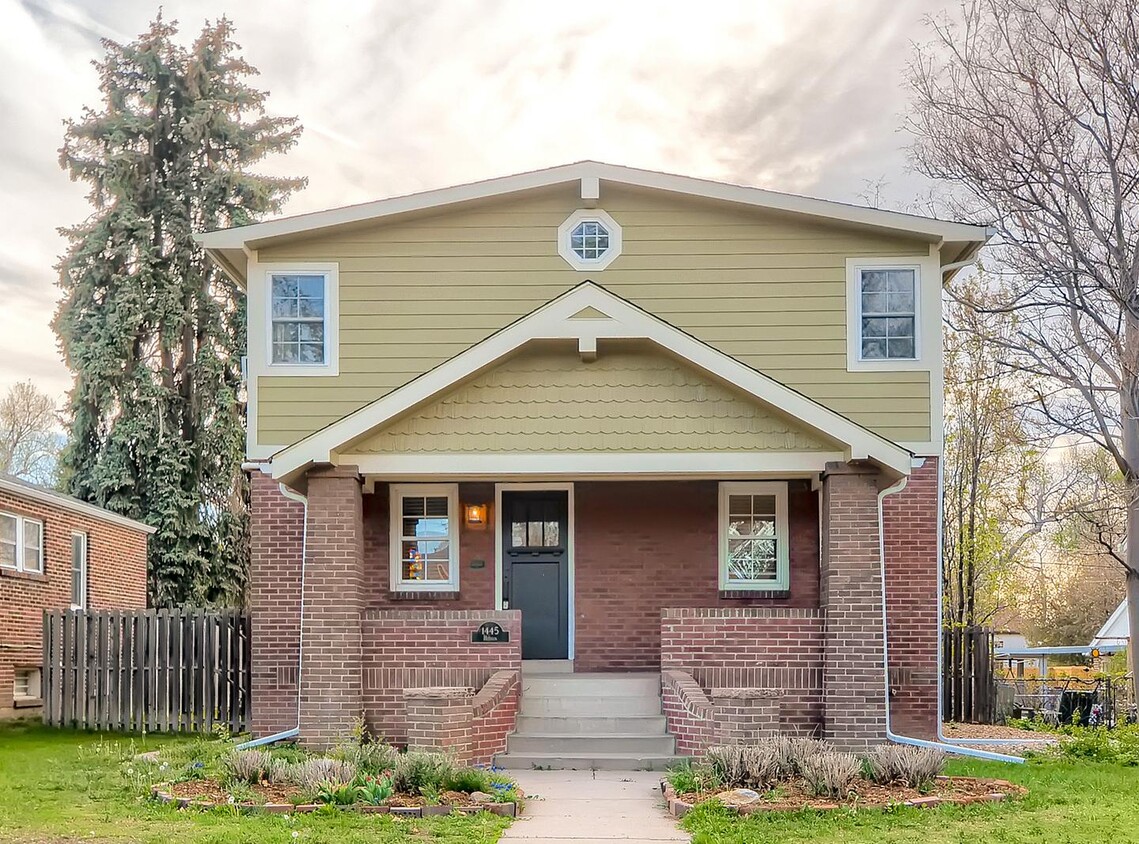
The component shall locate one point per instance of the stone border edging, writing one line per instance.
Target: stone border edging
(679, 808)
(509, 809)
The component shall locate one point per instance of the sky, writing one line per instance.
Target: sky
(804, 96)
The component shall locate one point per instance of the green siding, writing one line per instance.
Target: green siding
(765, 288)
(628, 400)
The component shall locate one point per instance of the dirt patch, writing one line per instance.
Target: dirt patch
(795, 794)
(954, 730)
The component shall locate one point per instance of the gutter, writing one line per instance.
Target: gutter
(941, 744)
(294, 731)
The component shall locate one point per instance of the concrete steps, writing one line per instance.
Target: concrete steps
(589, 721)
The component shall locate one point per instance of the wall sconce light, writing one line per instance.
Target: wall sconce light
(475, 515)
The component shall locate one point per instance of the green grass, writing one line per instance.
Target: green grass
(1068, 803)
(61, 786)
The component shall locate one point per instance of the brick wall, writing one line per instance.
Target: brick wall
(910, 532)
(688, 713)
(116, 579)
(276, 532)
(424, 648)
(642, 546)
(752, 647)
(495, 711)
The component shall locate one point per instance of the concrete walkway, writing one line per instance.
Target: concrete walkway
(585, 806)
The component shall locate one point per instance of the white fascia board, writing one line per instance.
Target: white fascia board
(586, 172)
(553, 321)
(19, 489)
(578, 464)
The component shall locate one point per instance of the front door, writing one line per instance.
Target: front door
(535, 569)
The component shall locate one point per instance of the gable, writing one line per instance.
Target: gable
(763, 287)
(631, 398)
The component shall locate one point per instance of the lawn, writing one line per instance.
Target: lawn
(1069, 802)
(59, 785)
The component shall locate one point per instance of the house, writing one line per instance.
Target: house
(1115, 632)
(616, 450)
(57, 552)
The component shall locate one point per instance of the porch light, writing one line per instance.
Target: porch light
(475, 515)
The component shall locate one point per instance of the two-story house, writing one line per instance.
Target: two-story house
(678, 440)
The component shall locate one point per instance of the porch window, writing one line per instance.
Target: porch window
(425, 538)
(754, 552)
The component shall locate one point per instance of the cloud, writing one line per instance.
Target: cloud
(793, 95)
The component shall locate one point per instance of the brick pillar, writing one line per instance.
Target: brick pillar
(854, 692)
(440, 719)
(331, 664)
(276, 527)
(744, 716)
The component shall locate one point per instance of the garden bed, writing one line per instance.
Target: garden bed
(794, 795)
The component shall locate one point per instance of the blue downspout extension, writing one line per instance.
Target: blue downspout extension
(890, 734)
(295, 731)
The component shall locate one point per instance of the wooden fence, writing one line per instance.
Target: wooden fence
(153, 670)
(968, 687)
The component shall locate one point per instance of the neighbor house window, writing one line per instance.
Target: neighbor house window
(79, 571)
(754, 553)
(21, 543)
(27, 684)
(299, 326)
(425, 538)
(888, 313)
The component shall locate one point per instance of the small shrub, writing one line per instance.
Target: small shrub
(417, 769)
(800, 749)
(729, 762)
(897, 763)
(372, 757)
(280, 771)
(311, 774)
(467, 780)
(374, 790)
(831, 774)
(248, 765)
(689, 778)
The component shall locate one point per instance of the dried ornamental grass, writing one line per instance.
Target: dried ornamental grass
(312, 774)
(831, 774)
(898, 763)
(248, 765)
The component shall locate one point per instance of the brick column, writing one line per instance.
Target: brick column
(854, 696)
(744, 716)
(440, 720)
(331, 664)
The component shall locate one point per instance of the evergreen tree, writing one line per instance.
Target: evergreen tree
(152, 331)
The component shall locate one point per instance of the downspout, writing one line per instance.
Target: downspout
(295, 731)
(890, 734)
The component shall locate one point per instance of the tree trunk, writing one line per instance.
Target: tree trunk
(1130, 425)
(1133, 599)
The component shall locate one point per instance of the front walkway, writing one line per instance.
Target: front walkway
(585, 806)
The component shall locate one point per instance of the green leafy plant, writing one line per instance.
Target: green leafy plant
(690, 778)
(430, 794)
(417, 769)
(468, 780)
(336, 793)
(374, 790)
(370, 757)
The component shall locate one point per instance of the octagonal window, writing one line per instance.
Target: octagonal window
(589, 240)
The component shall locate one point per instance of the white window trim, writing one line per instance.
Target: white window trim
(782, 580)
(585, 215)
(35, 684)
(21, 563)
(82, 605)
(923, 269)
(396, 493)
(331, 365)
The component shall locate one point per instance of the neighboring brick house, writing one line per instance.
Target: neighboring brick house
(57, 552)
(667, 437)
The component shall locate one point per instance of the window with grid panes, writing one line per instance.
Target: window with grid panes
(753, 537)
(425, 538)
(888, 314)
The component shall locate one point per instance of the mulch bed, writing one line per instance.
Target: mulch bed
(207, 793)
(796, 794)
(955, 730)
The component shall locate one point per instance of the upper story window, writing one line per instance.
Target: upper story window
(754, 552)
(589, 239)
(298, 316)
(888, 313)
(21, 543)
(425, 538)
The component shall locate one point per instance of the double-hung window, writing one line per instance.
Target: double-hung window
(425, 538)
(21, 543)
(887, 308)
(79, 571)
(754, 553)
(299, 309)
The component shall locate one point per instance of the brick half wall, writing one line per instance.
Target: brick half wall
(751, 647)
(421, 648)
